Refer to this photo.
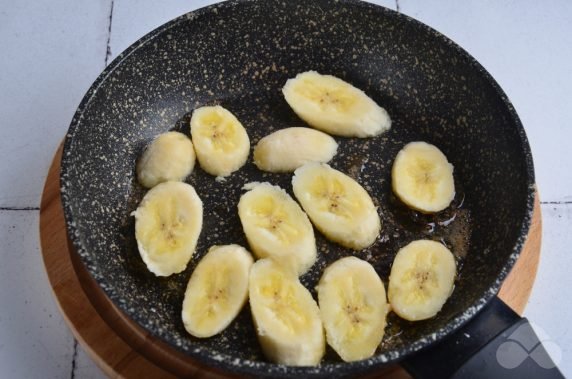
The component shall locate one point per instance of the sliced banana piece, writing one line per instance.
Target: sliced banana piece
(421, 279)
(337, 205)
(287, 149)
(169, 157)
(286, 317)
(334, 106)
(167, 226)
(275, 226)
(353, 307)
(217, 290)
(221, 142)
(423, 178)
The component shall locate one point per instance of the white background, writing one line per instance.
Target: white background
(51, 51)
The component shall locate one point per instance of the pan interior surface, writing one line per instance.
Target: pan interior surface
(239, 54)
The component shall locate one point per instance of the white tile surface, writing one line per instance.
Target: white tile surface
(84, 366)
(52, 51)
(34, 341)
(549, 306)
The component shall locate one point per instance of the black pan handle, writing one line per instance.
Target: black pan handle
(496, 343)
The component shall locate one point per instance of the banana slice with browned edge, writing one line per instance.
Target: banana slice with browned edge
(168, 222)
(335, 106)
(421, 279)
(169, 157)
(275, 226)
(353, 308)
(221, 142)
(286, 317)
(422, 177)
(287, 149)
(217, 290)
(337, 205)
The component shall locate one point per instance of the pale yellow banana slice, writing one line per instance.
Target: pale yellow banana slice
(286, 317)
(167, 226)
(287, 149)
(217, 290)
(421, 279)
(423, 178)
(169, 157)
(221, 142)
(275, 226)
(334, 106)
(337, 205)
(353, 308)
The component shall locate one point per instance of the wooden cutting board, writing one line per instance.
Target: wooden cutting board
(123, 349)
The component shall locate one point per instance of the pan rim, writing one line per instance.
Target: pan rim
(228, 362)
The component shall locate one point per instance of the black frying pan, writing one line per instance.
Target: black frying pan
(239, 54)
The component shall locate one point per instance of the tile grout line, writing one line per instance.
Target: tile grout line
(74, 358)
(19, 208)
(108, 44)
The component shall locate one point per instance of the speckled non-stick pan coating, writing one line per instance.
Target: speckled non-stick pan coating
(239, 54)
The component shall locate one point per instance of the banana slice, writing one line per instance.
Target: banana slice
(220, 140)
(286, 317)
(421, 279)
(275, 226)
(353, 308)
(423, 178)
(287, 149)
(334, 106)
(167, 226)
(169, 157)
(337, 205)
(217, 290)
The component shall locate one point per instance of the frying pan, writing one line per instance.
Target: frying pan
(239, 54)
